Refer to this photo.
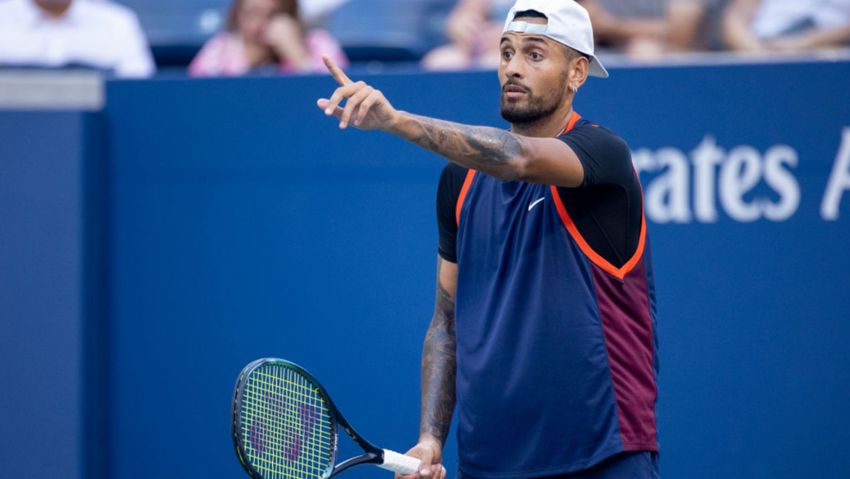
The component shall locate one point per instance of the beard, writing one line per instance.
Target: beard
(532, 109)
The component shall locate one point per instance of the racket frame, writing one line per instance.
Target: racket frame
(371, 453)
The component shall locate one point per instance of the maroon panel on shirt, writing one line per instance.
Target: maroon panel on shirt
(629, 338)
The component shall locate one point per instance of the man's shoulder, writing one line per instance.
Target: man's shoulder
(605, 156)
(588, 127)
(591, 137)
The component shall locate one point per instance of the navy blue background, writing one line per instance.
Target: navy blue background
(242, 223)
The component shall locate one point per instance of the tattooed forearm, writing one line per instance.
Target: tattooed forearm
(438, 368)
(490, 150)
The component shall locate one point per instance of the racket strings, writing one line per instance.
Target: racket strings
(286, 425)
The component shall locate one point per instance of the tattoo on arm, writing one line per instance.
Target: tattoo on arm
(490, 150)
(438, 367)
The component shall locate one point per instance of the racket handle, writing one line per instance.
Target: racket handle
(400, 463)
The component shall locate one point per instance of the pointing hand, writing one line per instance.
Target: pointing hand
(366, 108)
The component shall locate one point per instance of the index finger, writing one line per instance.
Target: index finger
(336, 72)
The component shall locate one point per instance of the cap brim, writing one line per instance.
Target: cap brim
(597, 69)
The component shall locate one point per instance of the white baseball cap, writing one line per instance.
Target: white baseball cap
(569, 24)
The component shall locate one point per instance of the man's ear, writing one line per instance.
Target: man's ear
(579, 69)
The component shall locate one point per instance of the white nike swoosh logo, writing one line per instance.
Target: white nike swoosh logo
(532, 205)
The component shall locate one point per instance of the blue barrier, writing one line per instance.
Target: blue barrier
(243, 223)
(52, 301)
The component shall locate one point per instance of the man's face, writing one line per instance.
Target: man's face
(533, 76)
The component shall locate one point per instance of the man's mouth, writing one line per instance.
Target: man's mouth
(515, 91)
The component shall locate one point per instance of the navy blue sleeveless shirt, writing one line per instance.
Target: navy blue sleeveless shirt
(556, 346)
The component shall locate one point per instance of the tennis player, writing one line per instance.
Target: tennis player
(543, 334)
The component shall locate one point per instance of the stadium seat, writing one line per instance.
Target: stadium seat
(369, 30)
(389, 30)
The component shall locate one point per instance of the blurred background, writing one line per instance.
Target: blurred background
(173, 205)
(233, 37)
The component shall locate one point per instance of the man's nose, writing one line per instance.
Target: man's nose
(515, 67)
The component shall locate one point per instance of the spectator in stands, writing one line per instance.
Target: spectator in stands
(637, 28)
(694, 25)
(782, 26)
(473, 29)
(265, 33)
(73, 33)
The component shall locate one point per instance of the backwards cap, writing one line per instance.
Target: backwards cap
(568, 24)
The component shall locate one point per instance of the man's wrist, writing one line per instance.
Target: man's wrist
(393, 125)
(430, 439)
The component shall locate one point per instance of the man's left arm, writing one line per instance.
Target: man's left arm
(492, 151)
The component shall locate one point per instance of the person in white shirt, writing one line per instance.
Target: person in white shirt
(58, 33)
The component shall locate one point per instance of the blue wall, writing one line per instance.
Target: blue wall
(52, 302)
(243, 223)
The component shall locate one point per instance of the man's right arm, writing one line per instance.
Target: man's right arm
(438, 376)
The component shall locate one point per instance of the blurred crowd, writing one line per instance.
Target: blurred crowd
(290, 36)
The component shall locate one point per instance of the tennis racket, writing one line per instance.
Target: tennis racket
(285, 426)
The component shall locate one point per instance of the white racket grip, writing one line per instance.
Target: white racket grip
(400, 463)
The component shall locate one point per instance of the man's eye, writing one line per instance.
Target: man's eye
(507, 54)
(536, 56)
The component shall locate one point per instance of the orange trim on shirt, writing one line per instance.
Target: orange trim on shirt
(619, 273)
(465, 189)
(570, 124)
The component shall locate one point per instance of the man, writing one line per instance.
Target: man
(543, 331)
(77, 33)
